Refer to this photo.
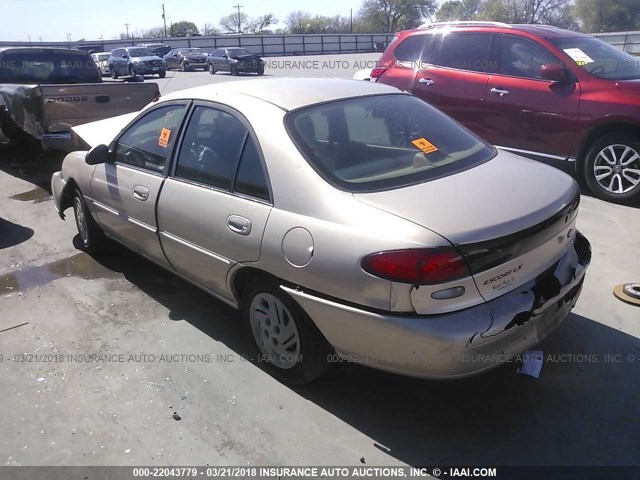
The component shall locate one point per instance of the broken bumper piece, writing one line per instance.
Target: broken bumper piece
(458, 344)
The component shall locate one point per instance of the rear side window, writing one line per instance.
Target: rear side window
(463, 51)
(211, 148)
(251, 179)
(413, 48)
(383, 142)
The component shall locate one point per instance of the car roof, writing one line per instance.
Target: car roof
(287, 93)
(544, 31)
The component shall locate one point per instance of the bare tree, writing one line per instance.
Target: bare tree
(297, 22)
(235, 22)
(261, 23)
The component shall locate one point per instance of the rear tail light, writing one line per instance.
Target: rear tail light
(425, 266)
(377, 72)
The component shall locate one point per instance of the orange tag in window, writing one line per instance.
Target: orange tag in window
(163, 139)
(425, 145)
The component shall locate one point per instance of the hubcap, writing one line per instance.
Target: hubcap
(81, 222)
(274, 330)
(617, 168)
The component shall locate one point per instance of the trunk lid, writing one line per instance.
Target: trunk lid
(511, 218)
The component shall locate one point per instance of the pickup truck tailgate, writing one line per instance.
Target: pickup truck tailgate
(65, 106)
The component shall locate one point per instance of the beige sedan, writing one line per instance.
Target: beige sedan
(347, 220)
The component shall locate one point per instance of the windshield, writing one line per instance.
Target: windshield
(599, 58)
(382, 142)
(236, 52)
(141, 52)
(101, 57)
(47, 66)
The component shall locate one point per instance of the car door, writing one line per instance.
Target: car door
(125, 190)
(119, 63)
(452, 75)
(526, 113)
(213, 209)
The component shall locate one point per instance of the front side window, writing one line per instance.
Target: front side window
(149, 141)
(413, 48)
(462, 51)
(520, 57)
(211, 149)
(383, 142)
(599, 58)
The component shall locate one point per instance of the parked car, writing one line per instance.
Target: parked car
(234, 61)
(132, 61)
(536, 90)
(186, 59)
(46, 91)
(405, 242)
(101, 60)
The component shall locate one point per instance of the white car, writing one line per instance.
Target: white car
(100, 59)
(364, 74)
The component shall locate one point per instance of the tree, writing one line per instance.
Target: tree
(607, 15)
(260, 24)
(209, 29)
(393, 15)
(550, 12)
(184, 29)
(449, 11)
(155, 32)
(297, 22)
(236, 22)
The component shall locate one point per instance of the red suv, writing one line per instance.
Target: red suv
(539, 91)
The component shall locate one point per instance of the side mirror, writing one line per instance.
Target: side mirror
(124, 56)
(554, 72)
(224, 56)
(97, 155)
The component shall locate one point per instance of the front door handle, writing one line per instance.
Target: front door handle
(140, 192)
(499, 91)
(426, 81)
(239, 225)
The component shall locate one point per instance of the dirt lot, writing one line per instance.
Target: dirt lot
(104, 351)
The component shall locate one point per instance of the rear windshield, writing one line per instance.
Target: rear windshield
(47, 66)
(599, 58)
(141, 52)
(383, 142)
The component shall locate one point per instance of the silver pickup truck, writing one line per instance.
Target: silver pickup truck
(46, 91)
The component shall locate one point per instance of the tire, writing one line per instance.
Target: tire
(114, 74)
(273, 319)
(162, 74)
(91, 236)
(212, 70)
(132, 71)
(233, 70)
(612, 168)
(260, 72)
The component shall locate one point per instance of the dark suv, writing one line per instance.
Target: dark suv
(539, 91)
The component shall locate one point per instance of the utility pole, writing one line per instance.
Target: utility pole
(164, 19)
(239, 18)
(127, 26)
(351, 21)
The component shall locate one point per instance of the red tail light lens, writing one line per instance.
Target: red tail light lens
(376, 72)
(418, 266)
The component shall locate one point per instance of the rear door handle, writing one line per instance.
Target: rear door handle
(426, 81)
(140, 192)
(239, 225)
(499, 91)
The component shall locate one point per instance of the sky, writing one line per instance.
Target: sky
(52, 20)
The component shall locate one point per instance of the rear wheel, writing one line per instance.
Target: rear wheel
(290, 345)
(90, 233)
(612, 168)
(114, 74)
(212, 70)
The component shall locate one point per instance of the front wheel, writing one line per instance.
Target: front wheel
(233, 70)
(212, 70)
(90, 233)
(132, 71)
(612, 168)
(290, 345)
(114, 74)
(162, 74)
(260, 71)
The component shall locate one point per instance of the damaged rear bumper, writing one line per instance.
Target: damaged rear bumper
(457, 344)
